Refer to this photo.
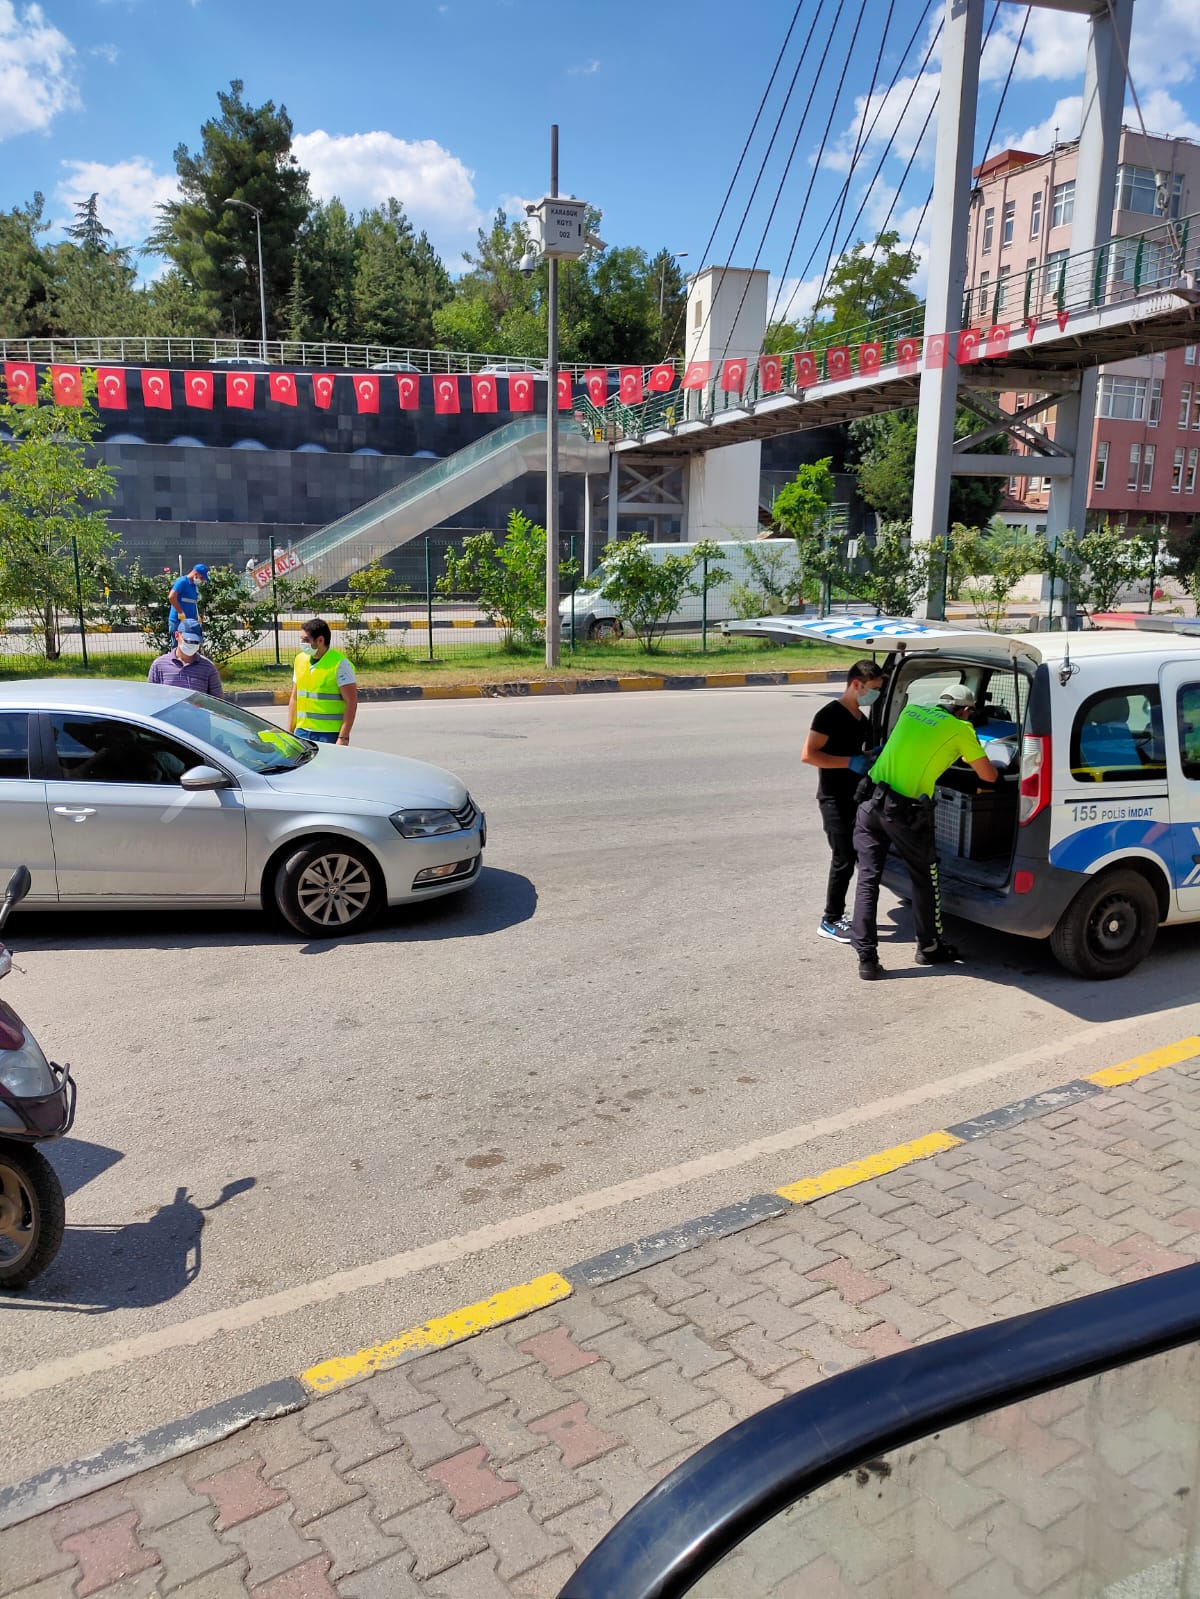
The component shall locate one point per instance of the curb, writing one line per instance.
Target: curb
(524, 689)
(60, 1485)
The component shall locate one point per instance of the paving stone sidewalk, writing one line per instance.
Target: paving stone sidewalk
(489, 1469)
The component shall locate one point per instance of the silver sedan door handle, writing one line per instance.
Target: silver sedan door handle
(76, 813)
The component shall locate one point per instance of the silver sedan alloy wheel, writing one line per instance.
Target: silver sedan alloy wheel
(334, 889)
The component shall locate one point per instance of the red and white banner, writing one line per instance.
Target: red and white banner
(198, 390)
(20, 382)
(1062, 318)
(733, 375)
(285, 561)
(445, 396)
(409, 386)
(870, 356)
(997, 340)
(322, 384)
(156, 390)
(969, 346)
(282, 388)
(837, 361)
(65, 385)
(662, 378)
(1031, 327)
(366, 395)
(770, 373)
(937, 351)
(596, 384)
(239, 390)
(483, 392)
(908, 353)
(112, 393)
(631, 391)
(521, 392)
(566, 393)
(804, 364)
(697, 374)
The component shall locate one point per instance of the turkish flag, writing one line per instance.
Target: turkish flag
(770, 373)
(661, 378)
(697, 374)
(997, 340)
(837, 361)
(322, 389)
(520, 392)
(366, 393)
(1031, 327)
(804, 365)
(937, 349)
(410, 391)
(596, 384)
(65, 385)
(631, 391)
(445, 396)
(869, 356)
(198, 390)
(20, 380)
(239, 391)
(908, 353)
(282, 388)
(156, 390)
(969, 347)
(111, 393)
(1062, 319)
(483, 392)
(565, 391)
(733, 375)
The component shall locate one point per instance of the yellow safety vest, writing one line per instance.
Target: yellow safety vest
(319, 704)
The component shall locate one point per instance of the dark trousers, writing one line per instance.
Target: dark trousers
(837, 818)
(887, 821)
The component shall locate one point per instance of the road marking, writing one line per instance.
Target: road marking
(860, 1171)
(507, 1305)
(1142, 1065)
(446, 1251)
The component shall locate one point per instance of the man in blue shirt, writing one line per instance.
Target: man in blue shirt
(184, 599)
(184, 666)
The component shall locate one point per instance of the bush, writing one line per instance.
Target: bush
(509, 578)
(361, 633)
(645, 592)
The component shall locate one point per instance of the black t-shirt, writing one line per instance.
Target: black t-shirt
(845, 734)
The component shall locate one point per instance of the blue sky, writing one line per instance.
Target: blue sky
(447, 104)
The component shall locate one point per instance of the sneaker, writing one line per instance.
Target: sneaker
(938, 955)
(839, 931)
(870, 970)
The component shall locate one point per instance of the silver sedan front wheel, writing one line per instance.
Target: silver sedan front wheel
(328, 889)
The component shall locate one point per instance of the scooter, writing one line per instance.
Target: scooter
(37, 1102)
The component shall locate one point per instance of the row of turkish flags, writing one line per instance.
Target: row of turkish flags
(634, 382)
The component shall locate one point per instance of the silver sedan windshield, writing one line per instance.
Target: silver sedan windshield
(244, 737)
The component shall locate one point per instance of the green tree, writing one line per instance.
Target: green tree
(892, 575)
(886, 450)
(326, 253)
(667, 281)
(866, 284)
(621, 325)
(24, 270)
(802, 506)
(646, 593)
(1091, 570)
(50, 515)
(775, 580)
(509, 579)
(93, 290)
(987, 565)
(399, 280)
(362, 633)
(1184, 554)
(493, 307)
(87, 230)
(246, 155)
(170, 306)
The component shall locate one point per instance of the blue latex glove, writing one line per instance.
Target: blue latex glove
(860, 764)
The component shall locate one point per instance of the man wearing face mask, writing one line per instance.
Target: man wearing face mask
(835, 744)
(324, 698)
(184, 666)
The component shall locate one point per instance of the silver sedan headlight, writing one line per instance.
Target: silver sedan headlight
(425, 824)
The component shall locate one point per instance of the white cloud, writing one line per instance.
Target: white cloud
(794, 299)
(363, 169)
(106, 52)
(129, 193)
(1165, 44)
(1164, 114)
(1063, 122)
(895, 117)
(589, 69)
(36, 70)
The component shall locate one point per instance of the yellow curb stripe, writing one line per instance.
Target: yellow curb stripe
(641, 682)
(1142, 1065)
(860, 1171)
(508, 1305)
(453, 691)
(725, 680)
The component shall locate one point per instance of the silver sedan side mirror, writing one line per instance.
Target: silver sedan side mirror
(201, 778)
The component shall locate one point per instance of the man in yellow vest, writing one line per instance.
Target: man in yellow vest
(324, 698)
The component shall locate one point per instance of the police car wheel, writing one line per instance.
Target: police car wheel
(1108, 928)
(328, 889)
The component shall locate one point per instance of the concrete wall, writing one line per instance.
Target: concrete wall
(726, 318)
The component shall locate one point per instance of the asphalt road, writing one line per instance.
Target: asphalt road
(285, 1150)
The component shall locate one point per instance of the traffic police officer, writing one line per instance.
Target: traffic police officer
(324, 699)
(897, 813)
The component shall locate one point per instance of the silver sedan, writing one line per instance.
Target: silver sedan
(127, 795)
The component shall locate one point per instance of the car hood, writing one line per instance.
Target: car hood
(392, 780)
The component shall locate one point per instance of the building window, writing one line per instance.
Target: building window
(1185, 405)
(1035, 215)
(1135, 468)
(989, 227)
(698, 314)
(1063, 209)
(1189, 482)
(1196, 406)
(1008, 222)
(1124, 398)
(1154, 409)
(1002, 288)
(1177, 473)
(1147, 468)
(1137, 191)
(1100, 475)
(1189, 354)
(984, 279)
(1056, 275)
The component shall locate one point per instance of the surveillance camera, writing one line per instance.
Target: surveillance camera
(594, 242)
(527, 265)
(530, 208)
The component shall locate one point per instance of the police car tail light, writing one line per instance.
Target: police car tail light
(1035, 776)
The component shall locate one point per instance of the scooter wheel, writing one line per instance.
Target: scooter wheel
(32, 1215)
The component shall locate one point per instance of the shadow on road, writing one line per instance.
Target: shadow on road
(498, 900)
(78, 1163)
(126, 1267)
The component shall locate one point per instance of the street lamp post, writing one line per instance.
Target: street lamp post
(244, 205)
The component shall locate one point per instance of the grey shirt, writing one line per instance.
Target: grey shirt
(199, 673)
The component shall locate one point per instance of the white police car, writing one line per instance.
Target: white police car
(1091, 838)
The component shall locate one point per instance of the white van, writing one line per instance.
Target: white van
(1091, 838)
(594, 616)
